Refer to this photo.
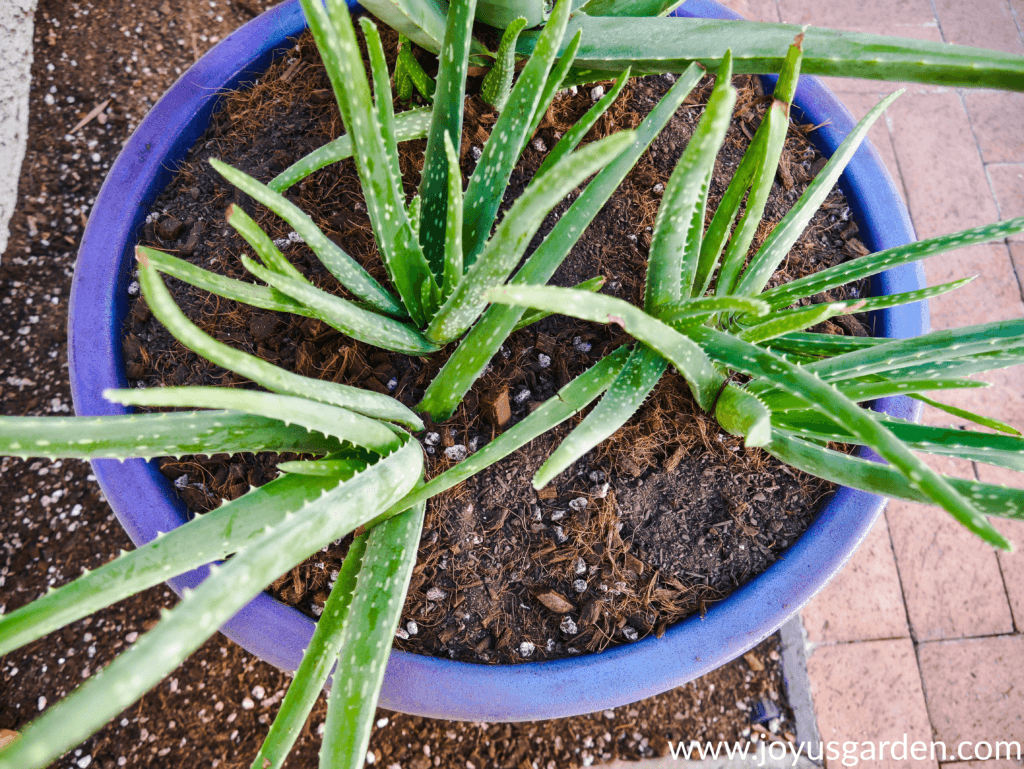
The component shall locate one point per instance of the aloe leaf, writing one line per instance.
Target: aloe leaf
(202, 540)
(508, 244)
(453, 223)
(965, 365)
(764, 152)
(413, 70)
(874, 303)
(688, 310)
(679, 227)
(925, 353)
(336, 40)
(626, 394)
(383, 99)
(261, 243)
(652, 45)
(631, 7)
(366, 638)
(153, 435)
(875, 478)
(272, 377)
(778, 244)
(331, 421)
(422, 21)
(552, 85)
(229, 288)
(534, 316)
(866, 266)
(502, 14)
(202, 611)
(342, 266)
(347, 317)
(861, 392)
(317, 660)
(403, 80)
(743, 414)
(508, 137)
(792, 321)
(970, 416)
(682, 352)
(569, 401)
(497, 83)
(862, 424)
(411, 124)
(811, 344)
(470, 358)
(999, 450)
(446, 121)
(572, 138)
(325, 468)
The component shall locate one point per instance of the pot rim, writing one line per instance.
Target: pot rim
(145, 503)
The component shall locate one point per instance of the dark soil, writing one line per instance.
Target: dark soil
(214, 710)
(666, 517)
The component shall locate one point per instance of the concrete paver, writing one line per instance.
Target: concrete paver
(869, 692)
(975, 689)
(864, 601)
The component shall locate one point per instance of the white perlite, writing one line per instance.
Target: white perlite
(15, 83)
(526, 649)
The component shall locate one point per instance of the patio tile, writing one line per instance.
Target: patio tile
(997, 117)
(981, 23)
(951, 580)
(859, 105)
(864, 601)
(755, 10)
(880, 17)
(1011, 564)
(1017, 258)
(940, 163)
(869, 692)
(975, 689)
(993, 295)
(1008, 188)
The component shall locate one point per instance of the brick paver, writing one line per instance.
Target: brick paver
(869, 692)
(975, 688)
(981, 23)
(864, 601)
(1008, 188)
(996, 117)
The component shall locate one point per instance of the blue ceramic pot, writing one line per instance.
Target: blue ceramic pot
(146, 503)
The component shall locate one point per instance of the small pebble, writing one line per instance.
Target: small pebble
(630, 633)
(431, 439)
(558, 515)
(560, 535)
(411, 627)
(41, 703)
(568, 626)
(669, 78)
(580, 586)
(401, 633)
(658, 188)
(259, 692)
(543, 360)
(436, 594)
(581, 566)
(382, 722)
(248, 704)
(578, 504)
(133, 288)
(392, 384)
(456, 453)
(539, 145)
(596, 93)
(84, 761)
(526, 649)
(475, 152)
(522, 396)
(580, 345)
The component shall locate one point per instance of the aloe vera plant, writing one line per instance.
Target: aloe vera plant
(445, 265)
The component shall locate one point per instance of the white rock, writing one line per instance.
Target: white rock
(248, 704)
(568, 626)
(596, 93)
(526, 649)
(412, 627)
(436, 594)
(580, 586)
(630, 633)
(543, 360)
(456, 453)
(578, 504)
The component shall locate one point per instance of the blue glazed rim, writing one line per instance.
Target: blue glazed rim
(145, 502)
